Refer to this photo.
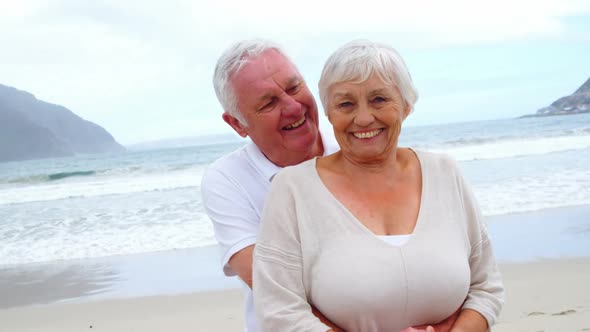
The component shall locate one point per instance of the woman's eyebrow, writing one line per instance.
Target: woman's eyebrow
(379, 91)
(342, 95)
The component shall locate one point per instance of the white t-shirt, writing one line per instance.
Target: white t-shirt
(395, 240)
(234, 188)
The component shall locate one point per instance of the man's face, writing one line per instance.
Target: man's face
(280, 112)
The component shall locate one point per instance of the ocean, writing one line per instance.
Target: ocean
(149, 200)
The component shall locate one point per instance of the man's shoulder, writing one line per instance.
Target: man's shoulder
(228, 168)
(231, 161)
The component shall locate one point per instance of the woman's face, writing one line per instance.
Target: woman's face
(366, 118)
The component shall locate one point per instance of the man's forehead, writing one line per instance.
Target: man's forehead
(269, 66)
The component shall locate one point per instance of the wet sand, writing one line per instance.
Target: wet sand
(544, 258)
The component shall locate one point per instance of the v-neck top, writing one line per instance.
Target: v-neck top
(311, 250)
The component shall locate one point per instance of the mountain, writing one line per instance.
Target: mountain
(34, 129)
(577, 102)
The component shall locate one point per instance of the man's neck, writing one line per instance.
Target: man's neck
(296, 158)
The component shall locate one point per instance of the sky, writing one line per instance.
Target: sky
(143, 69)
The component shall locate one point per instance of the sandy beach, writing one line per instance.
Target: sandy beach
(549, 295)
(544, 258)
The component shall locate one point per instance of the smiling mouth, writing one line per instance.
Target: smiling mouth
(368, 134)
(295, 124)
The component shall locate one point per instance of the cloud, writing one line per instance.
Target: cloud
(149, 63)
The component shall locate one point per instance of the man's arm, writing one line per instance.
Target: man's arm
(241, 263)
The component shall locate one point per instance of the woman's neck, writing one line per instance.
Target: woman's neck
(374, 172)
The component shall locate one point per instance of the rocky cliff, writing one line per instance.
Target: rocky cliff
(578, 102)
(34, 129)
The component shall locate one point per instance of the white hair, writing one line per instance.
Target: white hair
(357, 60)
(231, 62)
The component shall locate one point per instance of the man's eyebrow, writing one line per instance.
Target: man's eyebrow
(294, 80)
(265, 97)
(290, 82)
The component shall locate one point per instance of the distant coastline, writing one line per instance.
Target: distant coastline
(561, 113)
(576, 103)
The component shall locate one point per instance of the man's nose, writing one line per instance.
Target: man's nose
(290, 106)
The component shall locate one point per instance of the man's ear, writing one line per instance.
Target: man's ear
(235, 124)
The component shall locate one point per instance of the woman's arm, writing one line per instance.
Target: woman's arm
(470, 321)
(486, 291)
(279, 293)
(280, 297)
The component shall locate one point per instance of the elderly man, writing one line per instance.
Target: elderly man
(264, 97)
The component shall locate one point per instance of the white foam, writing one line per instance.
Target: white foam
(103, 226)
(515, 147)
(91, 186)
(531, 193)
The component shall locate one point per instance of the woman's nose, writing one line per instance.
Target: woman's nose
(364, 116)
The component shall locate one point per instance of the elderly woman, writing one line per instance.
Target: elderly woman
(376, 237)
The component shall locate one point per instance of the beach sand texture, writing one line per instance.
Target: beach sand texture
(548, 295)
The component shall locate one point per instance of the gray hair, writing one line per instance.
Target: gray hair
(231, 62)
(357, 60)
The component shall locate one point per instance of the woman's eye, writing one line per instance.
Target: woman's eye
(379, 99)
(345, 104)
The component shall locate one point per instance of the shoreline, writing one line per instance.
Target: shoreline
(544, 257)
(546, 295)
(557, 233)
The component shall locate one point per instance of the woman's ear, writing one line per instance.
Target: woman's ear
(329, 116)
(407, 111)
(237, 126)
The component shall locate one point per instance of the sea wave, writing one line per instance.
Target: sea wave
(509, 148)
(63, 175)
(103, 226)
(100, 173)
(92, 186)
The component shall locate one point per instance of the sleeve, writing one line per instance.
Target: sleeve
(234, 218)
(486, 291)
(280, 298)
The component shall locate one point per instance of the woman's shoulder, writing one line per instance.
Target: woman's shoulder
(294, 174)
(436, 160)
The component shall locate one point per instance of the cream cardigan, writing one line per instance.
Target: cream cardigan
(312, 250)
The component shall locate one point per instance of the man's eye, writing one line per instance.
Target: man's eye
(268, 106)
(294, 89)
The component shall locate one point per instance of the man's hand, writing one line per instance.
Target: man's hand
(325, 320)
(419, 329)
(443, 326)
